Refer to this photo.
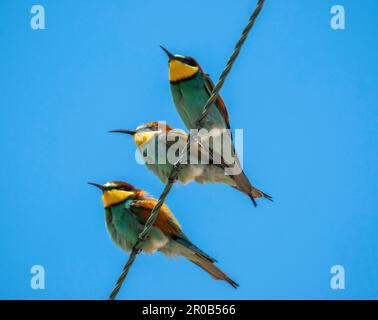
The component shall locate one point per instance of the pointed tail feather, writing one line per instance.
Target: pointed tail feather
(204, 261)
(256, 193)
(243, 184)
(214, 271)
(253, 199)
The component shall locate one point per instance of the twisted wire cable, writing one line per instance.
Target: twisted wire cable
(176, 168)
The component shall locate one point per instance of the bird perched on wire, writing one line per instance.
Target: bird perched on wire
(191, 88)
(158, 142)
(126, 212)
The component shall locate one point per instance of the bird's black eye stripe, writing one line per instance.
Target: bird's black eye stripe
(189, 62)
(123, 188)
(151, 128)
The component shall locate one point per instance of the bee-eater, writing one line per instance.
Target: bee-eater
(153, 142)
(126, 212)
(191, 88)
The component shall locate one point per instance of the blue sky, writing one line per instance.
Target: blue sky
(305, 95)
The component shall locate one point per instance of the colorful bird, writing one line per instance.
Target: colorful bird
(191, 88)
(126, 212)
(154, 141)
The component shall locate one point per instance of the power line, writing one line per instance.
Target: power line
(176, 168)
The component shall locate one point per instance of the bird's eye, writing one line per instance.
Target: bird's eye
(189, 61)
(152, 128)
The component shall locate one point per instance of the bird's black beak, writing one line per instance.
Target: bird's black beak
(102, 188)
(131, 132)
(170, 55)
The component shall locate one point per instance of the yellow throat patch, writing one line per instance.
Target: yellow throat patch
(180, 71)
(112, 197)
(142, 137)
